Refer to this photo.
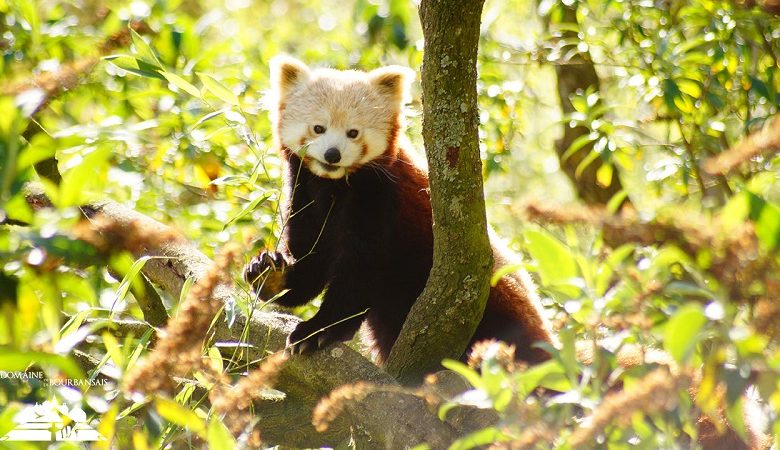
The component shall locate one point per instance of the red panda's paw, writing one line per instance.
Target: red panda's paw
(310, 336)
(266, 274)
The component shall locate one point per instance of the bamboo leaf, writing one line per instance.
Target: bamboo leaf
(218, 89)
(181, 83)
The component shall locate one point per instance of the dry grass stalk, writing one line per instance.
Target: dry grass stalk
(492, 349)
(335, 403)
(239, 397)
(179, 349)
(232, 401)
(657, 391)
(767, 311)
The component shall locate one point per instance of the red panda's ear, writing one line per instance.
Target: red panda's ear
(286, 73)
(393, 81)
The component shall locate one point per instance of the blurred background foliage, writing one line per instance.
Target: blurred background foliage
(168, 120)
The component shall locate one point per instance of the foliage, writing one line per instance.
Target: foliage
(168, 119)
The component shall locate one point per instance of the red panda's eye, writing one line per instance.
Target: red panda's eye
(319, 129)
(352, 134)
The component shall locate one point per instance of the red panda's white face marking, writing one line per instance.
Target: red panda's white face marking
(337, 121)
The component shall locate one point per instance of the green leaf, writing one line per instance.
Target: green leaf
(766, 216)
(85, 178)
(143, 50)
(136, 66)
(690, 87)
(616, 201)
(7, 418)
(568, 353)
(129, 278)
(107, 427)
(604, 274)
(589, 159)
(216, 358)
(503, 271)
(555, 262)
(219, 437)
(768, 226)
(218, 89)
(465, 371)
(185, 289)
(113, 349)
(681, 333)
(248, 209)
(181, 83)
(578, 143)
(480, 438)
(604, 175)
(550, 375)
(671, 93)
(179, 415)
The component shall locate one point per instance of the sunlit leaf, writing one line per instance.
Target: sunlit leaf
(250, 207)
(175, 413)
(219, 438)
(555, 263)
(479, 439)
(181, 83)
(604, 175)
(465, 371)
(7, 418)
(107, 427)
(218, 89)
(143, 50)
(130, 277)
(682, 331)
(135, 66)
(113, 349)
(550, 375)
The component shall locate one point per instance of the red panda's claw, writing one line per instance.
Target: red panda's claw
(273, 260)
(306, 346)
(266, 263)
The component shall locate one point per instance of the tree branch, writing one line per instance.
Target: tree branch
(763, 142)
(304, 378)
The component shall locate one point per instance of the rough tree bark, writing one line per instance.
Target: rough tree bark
(577, 74)
(450, 307)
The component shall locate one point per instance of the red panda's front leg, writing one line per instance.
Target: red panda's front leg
(269, 273)
(342, 311)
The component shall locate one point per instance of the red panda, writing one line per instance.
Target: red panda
(357, 223)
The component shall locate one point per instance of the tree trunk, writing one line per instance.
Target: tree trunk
(443, 319)
(577, 74)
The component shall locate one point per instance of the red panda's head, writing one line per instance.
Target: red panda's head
(337, 121)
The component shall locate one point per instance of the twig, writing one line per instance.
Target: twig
(763, 142)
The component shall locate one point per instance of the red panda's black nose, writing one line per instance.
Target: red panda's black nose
(332, 155)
